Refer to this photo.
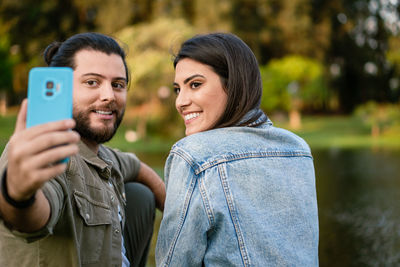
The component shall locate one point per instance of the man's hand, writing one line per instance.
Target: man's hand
(33, 155)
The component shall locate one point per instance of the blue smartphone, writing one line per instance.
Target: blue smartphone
(49, 95)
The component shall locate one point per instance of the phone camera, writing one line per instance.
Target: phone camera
(49, 85)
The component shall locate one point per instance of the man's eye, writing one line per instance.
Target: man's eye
(91, 82)
(177, 90)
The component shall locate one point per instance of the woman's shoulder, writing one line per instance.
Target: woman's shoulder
(231, 140)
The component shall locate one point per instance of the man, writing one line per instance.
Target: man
(72, 214)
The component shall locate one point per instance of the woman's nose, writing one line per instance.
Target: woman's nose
(182, 100)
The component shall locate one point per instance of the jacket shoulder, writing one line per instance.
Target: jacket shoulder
(240, 140)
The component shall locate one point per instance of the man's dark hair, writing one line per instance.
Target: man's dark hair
(61, 54)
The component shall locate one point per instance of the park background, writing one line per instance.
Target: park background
(330, 73)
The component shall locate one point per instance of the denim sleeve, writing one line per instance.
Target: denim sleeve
(182, 238)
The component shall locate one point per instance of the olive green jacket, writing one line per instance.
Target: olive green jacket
(83, 229)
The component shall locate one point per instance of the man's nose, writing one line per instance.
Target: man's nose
(107, 93)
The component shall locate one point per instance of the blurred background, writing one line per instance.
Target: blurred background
(330, 72)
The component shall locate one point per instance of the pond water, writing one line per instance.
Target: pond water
(359, 206)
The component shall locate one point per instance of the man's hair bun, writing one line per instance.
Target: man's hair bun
(51, 51)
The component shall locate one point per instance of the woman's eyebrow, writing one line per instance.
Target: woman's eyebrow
(192, 77)
(189, 78)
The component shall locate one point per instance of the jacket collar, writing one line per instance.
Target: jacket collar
(262, 118)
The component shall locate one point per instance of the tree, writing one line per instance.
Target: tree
(293, 83)
(359, 40)
(32, 25)
(393, 56)
(151, 46)
(7, 62)
(380, 117)
(351, 37)
(275, 28)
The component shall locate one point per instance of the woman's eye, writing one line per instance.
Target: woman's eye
(119, 85)
(194, 85)
(177, 90)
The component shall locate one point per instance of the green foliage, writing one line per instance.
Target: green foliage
(348, 34)
(149, 57)
(7, 127)
(108, 16)
(393, 53)
(151, 47)
(211, 15)
(32, 25)
(293, 78)
(382, 118)
(349, 132)
(7, 59)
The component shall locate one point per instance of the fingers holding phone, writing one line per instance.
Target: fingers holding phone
(42, 139)
(34, 156)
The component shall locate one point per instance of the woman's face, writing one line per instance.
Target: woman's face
(201, 99)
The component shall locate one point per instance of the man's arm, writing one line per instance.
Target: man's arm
(29, 219)
(31, 156)
(150, 178)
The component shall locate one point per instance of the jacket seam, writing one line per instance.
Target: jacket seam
(188, 197)
(233, 157)
(198, 168)
(234, 217)
(206, 202)
(186, 158)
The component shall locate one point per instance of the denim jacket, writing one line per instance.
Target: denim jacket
(239, 196)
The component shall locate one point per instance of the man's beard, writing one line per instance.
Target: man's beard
(99, 136)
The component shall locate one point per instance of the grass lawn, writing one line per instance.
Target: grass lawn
(318, 131)
(341, 132)
(151, 145)
(7, 125)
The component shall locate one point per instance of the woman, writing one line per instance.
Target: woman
(240, 192)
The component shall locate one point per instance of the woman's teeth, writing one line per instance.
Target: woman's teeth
(191, 116)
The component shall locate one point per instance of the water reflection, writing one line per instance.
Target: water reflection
(359, 206)
(359, 200)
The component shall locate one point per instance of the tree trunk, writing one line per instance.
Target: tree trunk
(375, 131)
(295, 119)
(3, 103)
(141, 127)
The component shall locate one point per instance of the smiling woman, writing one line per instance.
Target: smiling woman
(201, 99)
(240, 192)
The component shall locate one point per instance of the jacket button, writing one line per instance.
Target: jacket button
(116, 231)
(87, 216)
